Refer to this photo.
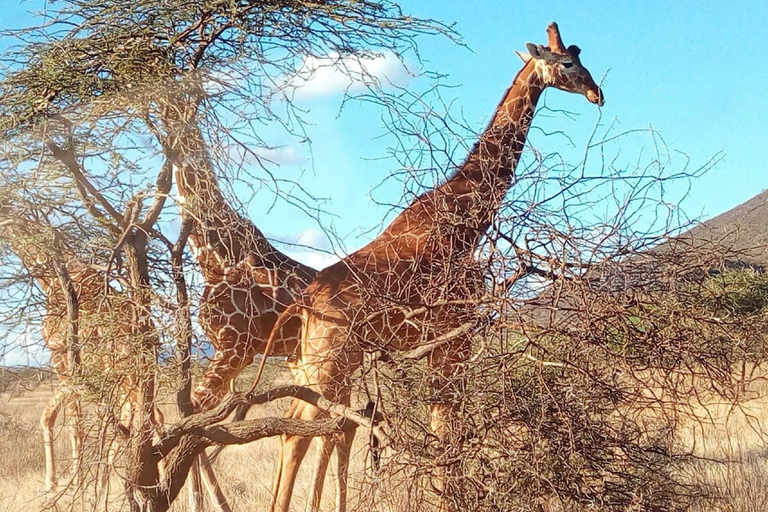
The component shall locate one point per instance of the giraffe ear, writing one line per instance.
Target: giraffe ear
(533, 50)
(574, 50)
(525, 57)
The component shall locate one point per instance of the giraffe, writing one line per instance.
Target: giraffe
(421, 262)
(108, 324)
(248, 283)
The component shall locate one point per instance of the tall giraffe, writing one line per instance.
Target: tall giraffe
(420, 261)
(108, 324)
(248, 282)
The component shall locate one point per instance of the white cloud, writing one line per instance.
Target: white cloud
(334, 74)
(314, 238)
(286, 155)
(315, 259)
(313, 247)
(280, 155)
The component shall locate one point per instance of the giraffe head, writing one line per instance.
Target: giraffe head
(560, 67)
(31, 241)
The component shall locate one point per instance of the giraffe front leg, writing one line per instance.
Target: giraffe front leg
(215, 494)
(217, 377)
(322, 457)
(343, 450)
(47, 422)
(294, 449)
(75, 411)
(448, 384)
(215, 384)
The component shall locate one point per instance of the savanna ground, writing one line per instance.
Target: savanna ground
(728, 439)
(245, 472)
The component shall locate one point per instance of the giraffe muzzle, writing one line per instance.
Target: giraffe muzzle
(596, 97)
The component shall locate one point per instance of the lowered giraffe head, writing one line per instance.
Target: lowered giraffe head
(560, 67)
(26, 238)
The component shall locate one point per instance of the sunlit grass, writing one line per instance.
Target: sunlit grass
(732, 451)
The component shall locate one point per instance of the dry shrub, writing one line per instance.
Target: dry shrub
(581, 409)
(20, 442)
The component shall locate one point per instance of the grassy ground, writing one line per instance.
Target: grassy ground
(732, 444)
(729, 441)
(245, 472)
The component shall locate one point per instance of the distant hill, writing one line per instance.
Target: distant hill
(736, 238)
(742, 231)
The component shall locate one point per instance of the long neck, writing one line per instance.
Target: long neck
(459, 212)
(495, 155)
(220, 236)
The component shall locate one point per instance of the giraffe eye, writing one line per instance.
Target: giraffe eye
(567, 65)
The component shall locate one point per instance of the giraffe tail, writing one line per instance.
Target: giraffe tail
(291, 312)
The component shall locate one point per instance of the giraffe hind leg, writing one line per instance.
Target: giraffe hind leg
(75, 412)
(318, 478)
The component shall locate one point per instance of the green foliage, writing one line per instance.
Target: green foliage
(736, 291)
(95, 50)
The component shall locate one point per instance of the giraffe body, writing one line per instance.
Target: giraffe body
(108, 326)
(248, 283)
(416, 281)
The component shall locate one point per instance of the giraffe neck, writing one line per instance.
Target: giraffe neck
(219, 233)
(222, 238)
(457, 213)
(496, 153)
(198, 189)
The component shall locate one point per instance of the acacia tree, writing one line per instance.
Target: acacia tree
(82, 93)
(548, 403)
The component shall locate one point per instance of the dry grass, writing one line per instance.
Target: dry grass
(732, 443)
(245, 472)
(729, 441)
(22, 463)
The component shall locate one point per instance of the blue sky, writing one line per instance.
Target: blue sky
(688, 69)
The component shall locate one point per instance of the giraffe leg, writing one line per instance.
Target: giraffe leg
(219, 377)
(318, 478)
(217, 381)
(343, 449)
(278, 475)
(47, 422)
(75, 412)
(443, 420)
(215, 494)
(293, 452)
(281, 457)
(194, 489)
